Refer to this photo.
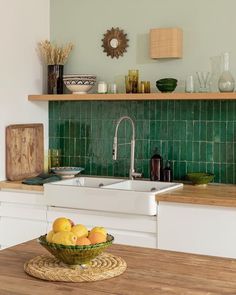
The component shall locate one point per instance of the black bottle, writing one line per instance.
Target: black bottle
(156, 167)
(167, 172)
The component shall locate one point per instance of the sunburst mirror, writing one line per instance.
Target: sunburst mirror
(115, 42)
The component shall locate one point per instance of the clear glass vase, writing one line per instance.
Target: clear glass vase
(226, 81)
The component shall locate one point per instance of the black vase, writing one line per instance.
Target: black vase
(55, 79)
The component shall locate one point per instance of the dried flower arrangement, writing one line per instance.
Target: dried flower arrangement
(53, 54)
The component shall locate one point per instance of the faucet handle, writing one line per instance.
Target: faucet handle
(136, 174)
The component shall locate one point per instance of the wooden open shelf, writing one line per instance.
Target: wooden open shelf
(138, 96)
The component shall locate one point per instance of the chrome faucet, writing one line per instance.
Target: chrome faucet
(132, 173)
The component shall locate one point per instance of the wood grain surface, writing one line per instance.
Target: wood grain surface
(17, 185)
(24, 151)
(212, 194)
(149, 271)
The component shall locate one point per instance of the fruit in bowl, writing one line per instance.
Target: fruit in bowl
(200, 178)
(75, 244)
(79, 84)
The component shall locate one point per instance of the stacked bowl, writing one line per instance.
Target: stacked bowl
(79, 84)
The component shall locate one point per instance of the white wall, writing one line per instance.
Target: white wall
(208, 30)
(23, 23)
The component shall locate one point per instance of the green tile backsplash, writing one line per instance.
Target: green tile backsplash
(194, 135)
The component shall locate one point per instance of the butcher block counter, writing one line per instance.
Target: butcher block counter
(149, 271)
(211, 194)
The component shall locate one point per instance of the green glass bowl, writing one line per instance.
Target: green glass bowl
(73, 255)
(198, 178)
(166, 84)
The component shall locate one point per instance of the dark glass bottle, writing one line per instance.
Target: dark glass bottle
(167, 172)
(156, 167)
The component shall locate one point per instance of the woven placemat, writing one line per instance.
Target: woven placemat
(49, 268)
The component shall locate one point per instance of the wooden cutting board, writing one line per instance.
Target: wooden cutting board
(24, 151)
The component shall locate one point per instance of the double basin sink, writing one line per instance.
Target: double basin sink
(107, 194)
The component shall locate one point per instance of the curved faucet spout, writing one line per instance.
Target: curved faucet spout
(132, 172)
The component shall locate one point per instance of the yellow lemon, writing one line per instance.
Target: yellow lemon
(80, 230)
(61, 224)
(66, 238)
(49, 236)
(99, 229)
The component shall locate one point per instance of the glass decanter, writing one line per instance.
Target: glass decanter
(226, 81)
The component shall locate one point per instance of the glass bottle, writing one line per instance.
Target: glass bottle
(156, 167)
(226, 81)
(167, 172)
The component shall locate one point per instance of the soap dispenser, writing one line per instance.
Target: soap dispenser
(167, 172)
(156, 166)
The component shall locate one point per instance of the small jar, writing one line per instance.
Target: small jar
(102, 87)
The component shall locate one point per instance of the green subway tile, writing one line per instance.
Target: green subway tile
(189, 130)
(185, 110)
(216, 152)
(189, 151)
(196, 131)
(229, 152)
(164, 130)
(196, 167)
(223, 173)
(152, 130)
(209, 151)
(164, 109)
(223, 132)
(223, 110)
(203, 131)
(223, 151)
(170, 150)
(231, 110)
(171, 110)
(182, 170)
(210, 110)
(230, 132)
(196, 110)
(202, 166)
(210, 131)
(196, 151)
(210, 168)
(170, 130)
(216, 172)
(157, 110)
(217, 131)
(177, 110)
(203, 151)
(164, 150)
(216, 110)
(183, 150)
(176, 150)
(203, 110)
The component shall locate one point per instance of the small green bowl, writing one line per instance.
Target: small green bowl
(73, 255)
(200, 178)
(166, 84)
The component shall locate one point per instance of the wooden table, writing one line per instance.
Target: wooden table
(149, 271)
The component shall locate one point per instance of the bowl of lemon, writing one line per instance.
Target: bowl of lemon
(74, 244)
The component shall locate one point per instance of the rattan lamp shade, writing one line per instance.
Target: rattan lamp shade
(166, 43)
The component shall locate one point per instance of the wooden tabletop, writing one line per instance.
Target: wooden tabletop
(212, 194)
(150, 271)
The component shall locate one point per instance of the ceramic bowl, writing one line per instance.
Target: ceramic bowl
(166, 84)
(199, 178)
(67, 172)
(79, 84)
(73, 255)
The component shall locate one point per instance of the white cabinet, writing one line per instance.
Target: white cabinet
(200, 229)
(128, 229)
(22, 217)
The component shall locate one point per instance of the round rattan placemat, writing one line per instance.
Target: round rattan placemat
(49, 268)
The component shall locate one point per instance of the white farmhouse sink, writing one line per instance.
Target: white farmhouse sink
(107, 194)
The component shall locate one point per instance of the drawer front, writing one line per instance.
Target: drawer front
(130, 222)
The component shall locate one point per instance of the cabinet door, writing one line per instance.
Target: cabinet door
(197, 229)
(21, 222)
(128, 229)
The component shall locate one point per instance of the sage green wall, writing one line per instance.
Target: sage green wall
(208, 26)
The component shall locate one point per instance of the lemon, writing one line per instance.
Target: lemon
(61, 224)
(49, 236)
(80, 231)
(66, 238)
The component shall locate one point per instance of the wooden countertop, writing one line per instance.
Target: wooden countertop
(150, 271)
(17, 185)
(212, 194)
